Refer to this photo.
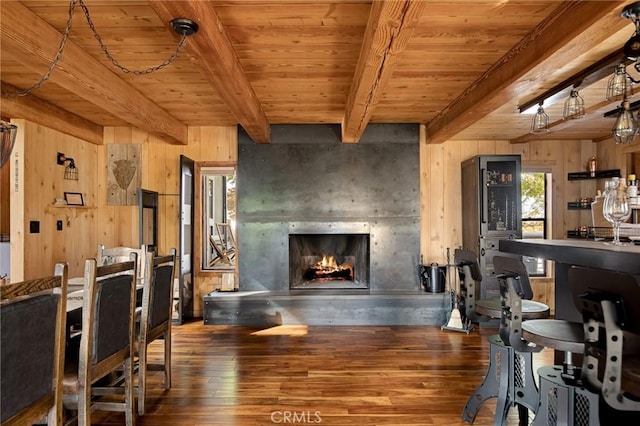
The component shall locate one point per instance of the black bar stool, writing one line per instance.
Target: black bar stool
(509, 377)
(608, 301)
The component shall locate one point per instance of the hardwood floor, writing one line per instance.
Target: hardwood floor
(333, 375)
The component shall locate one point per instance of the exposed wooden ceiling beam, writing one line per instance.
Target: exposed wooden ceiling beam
(34, 43)
(389, 28)
(44, 113)
(566, 34)
(214, 55)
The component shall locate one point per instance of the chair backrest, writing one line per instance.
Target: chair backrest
(32, 334)
(470, 282)
(157, 294)
(608, 301)
(225, 233)
(513, 280)
(118, 254)
(107, 317)
(514, 266)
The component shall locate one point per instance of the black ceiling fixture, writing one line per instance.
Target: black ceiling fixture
(586, 77)
(184, 26)
(632, 46)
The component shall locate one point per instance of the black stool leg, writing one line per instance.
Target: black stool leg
(564, 403)
(510, 379)
(490, 386)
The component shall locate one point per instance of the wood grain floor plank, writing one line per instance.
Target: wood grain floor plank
(333, 375)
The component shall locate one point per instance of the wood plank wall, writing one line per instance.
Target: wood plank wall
(41, 181)
(83, 229)
(38, 181)
(441, 216)
(118, 225)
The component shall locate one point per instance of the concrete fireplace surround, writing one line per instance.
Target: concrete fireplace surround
(307, 176)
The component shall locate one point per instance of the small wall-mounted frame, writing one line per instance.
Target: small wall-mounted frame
(74, 198)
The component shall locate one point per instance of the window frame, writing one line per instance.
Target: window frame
(201, 236)
(547, 229)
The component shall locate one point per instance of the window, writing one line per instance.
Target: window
(535, 194)
(218, 218)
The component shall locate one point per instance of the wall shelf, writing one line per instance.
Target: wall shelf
(70, 211)
(577, 205)
(600, 174)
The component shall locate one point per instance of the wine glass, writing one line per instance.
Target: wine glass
(616, 210)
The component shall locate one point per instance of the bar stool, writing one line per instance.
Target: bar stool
(509, 377)
(611, 365)
(470, 282)
(563, 399)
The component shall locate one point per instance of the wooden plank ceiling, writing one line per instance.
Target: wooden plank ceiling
(460, 67)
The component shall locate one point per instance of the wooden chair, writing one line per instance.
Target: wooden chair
(110, 255)
(221, 252)
(106, 344)
(155, 320)
(608, 301)
(510, 376)
(32, 343)
(225, 234)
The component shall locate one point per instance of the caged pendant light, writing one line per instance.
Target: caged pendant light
(573, 106)
(540, 122)
(625, 129)
(8, 132)
(619, 85)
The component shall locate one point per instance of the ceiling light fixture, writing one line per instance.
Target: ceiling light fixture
(581, 79)
(625, 129)
(182, 26)
(620, 85)
(632, 46)
(8, 132)
(540, 122)
(573, 106)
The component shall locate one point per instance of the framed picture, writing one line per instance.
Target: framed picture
(74, 198)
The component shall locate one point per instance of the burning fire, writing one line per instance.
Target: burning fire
(328, 262)
(328, 268)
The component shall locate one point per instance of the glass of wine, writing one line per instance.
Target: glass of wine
(616, 210)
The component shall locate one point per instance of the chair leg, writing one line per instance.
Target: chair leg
(564, 403)
(510, 379)
(525, 390)
(489, 387)
(129, 397)
(142, 378)
(505, 380)
(84, 405)
(167, 359)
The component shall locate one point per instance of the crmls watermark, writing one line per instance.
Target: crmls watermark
(296, 417)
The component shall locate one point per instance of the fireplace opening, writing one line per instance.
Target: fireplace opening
(329, 261)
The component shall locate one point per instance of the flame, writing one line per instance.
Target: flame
(328, 262)
(325, 268)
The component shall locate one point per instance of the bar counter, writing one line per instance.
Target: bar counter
(569, 252)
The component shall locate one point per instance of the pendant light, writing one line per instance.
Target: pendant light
(8, 132)
(619, 85)
(540, 122)
(625, 129)
(573, 106)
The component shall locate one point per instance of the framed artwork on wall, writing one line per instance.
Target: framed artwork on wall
(74, 198)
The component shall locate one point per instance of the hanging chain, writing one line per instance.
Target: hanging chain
(105, 50)
(113, 60)
(54, 63)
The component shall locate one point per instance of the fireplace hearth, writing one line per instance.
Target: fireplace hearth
(329, 256)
